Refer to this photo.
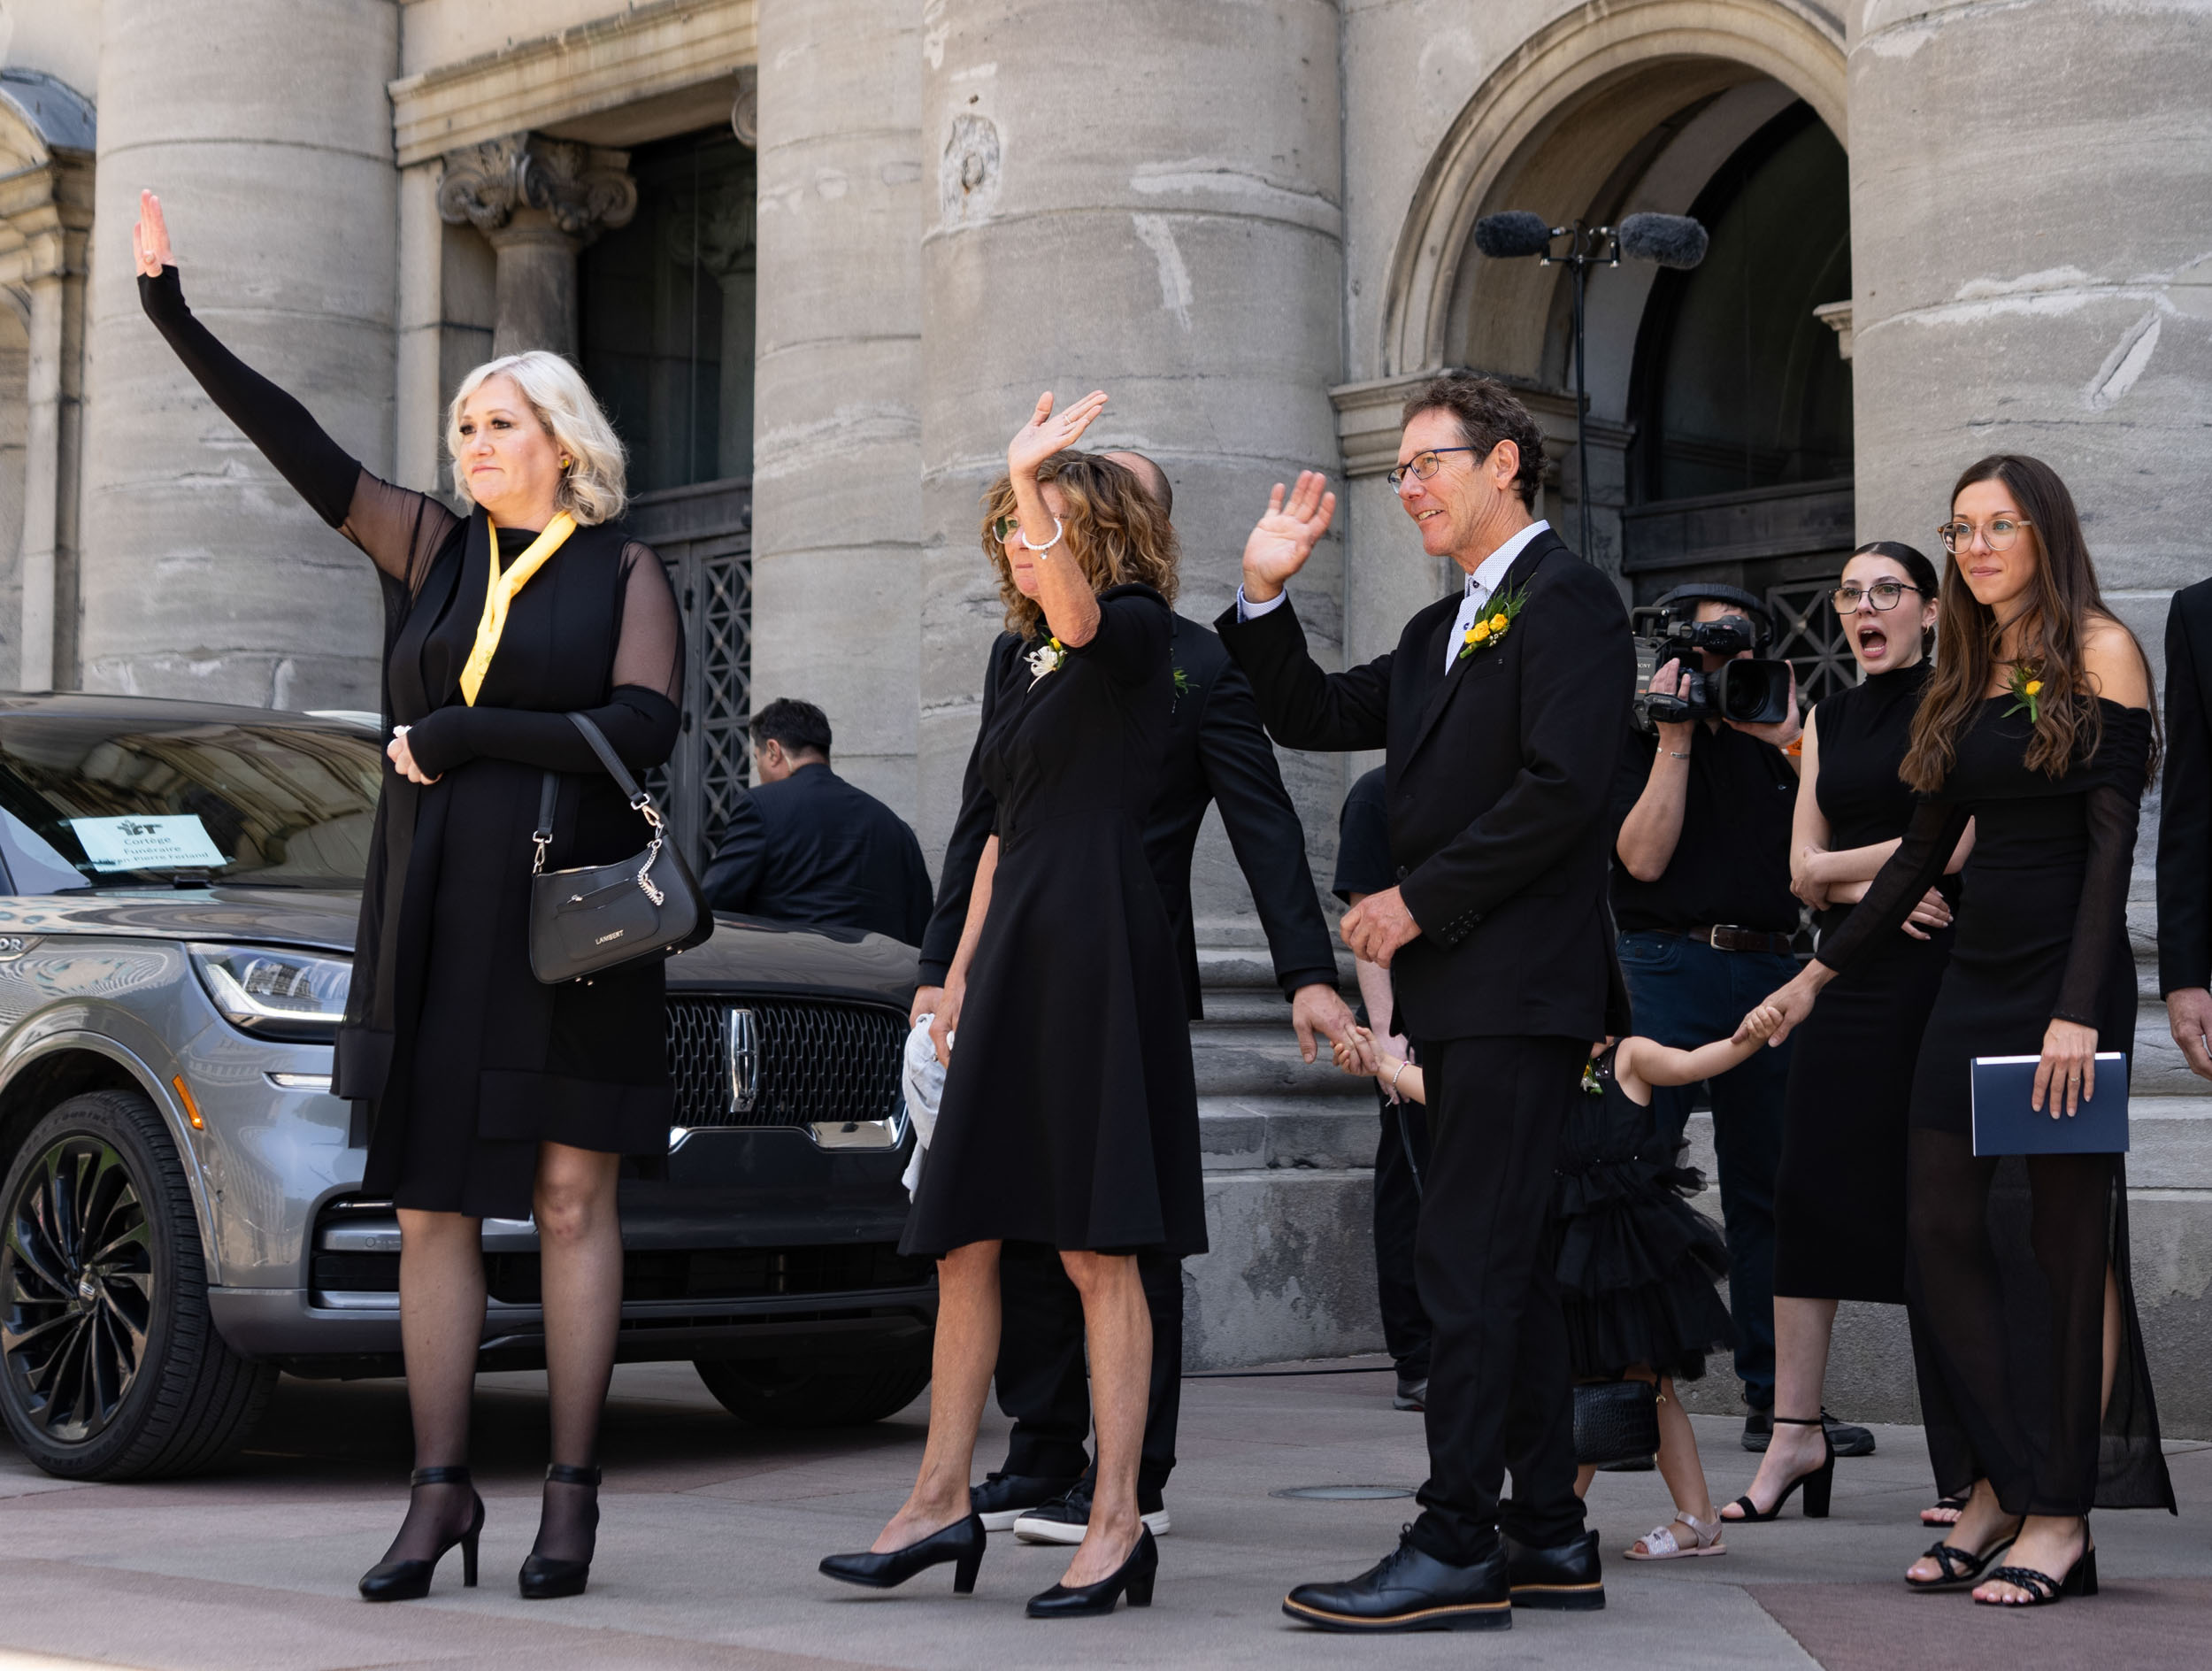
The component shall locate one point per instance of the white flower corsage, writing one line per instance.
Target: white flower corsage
(1046, 657)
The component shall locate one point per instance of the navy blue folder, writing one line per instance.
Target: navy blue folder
(2004, 1124)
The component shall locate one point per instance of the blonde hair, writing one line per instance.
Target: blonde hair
(1115, 530)
(592, 489)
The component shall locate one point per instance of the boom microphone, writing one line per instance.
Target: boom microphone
(1517, 233)
(1672, 240)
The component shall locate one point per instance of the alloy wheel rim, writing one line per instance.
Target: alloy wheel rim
(76, 1290)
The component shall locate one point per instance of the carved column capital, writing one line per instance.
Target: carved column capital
(582, 190)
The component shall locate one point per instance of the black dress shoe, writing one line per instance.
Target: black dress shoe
(1563, 1577)
(549, 1577)
(960, 1542)
(409, 1580)
(1134, 1578)
(1407, 1589)
(1004, 1498)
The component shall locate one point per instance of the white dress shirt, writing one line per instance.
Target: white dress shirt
(1488, 576)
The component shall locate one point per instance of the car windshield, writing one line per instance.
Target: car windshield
(97, 802)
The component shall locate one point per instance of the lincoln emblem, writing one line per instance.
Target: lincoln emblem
(744, 1062)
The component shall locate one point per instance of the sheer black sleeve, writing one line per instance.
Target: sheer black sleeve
(640, 715)
(2112, 809)
(400, 530)
(1929, 842)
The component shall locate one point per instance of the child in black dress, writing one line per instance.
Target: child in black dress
(1636, 1263)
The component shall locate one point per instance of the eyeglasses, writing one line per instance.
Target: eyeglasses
(1424, 464)
(1005, 529)
(2001, 532)
(1882, 594)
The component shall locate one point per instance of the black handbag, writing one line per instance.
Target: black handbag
(1615, 1421)
(591, 918)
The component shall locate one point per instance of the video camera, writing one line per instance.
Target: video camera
(1753, 692)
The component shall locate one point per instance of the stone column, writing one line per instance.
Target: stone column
(2064, 310)
(265, 125)
(538, 202)
(837, 455)
(725, 247)
(52, 462)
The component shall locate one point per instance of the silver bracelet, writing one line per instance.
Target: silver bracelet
(1395, 1078)
(1671, 755)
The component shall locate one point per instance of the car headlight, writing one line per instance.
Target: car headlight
(273, 994)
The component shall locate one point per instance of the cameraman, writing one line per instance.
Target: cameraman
(1701, 899)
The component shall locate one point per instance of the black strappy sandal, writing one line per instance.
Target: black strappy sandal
(2043, 1590)
(1955, 1503)
(1962, 1568)
(1817, 1483)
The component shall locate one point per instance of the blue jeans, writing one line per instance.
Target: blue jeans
(1685, 995)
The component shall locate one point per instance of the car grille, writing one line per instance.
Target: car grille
(815, 1059)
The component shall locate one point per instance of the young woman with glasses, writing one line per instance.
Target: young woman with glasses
(1839, 1193)
(2037, 726)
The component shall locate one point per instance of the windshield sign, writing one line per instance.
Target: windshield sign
(85, 804)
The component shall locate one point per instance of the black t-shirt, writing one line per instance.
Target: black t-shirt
(1362, 841)
(1731, 863)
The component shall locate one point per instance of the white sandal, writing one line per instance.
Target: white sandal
(1660, 1543)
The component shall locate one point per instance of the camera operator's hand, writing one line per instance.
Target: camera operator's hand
(1784, 731)
(1668, 679)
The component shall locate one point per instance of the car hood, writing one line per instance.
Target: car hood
(744, 952)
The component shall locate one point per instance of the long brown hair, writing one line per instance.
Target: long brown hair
(2061, 601)
(1112, 528)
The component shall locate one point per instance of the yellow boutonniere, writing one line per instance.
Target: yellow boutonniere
(1486, 633)
(2026, 688)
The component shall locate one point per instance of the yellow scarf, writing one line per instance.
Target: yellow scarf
(500, 592)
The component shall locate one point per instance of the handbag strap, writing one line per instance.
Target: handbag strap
(550, 793)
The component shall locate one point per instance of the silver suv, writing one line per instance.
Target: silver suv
(183, 1215)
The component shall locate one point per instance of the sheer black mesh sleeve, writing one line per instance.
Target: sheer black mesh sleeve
(641, 715)
(400, 530)
(1929, 842)
(2112, 810)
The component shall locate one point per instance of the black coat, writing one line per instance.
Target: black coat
(810, 848)
(1217, 754)
(2185, 818)
(1497, 775)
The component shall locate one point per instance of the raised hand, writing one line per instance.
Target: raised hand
(149, 238)
(1282, 540)
(1045, 434)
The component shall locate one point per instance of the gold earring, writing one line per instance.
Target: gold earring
(566, 464)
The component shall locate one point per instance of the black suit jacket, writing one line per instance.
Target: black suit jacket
(1217, 753)
(810, 848)
(1497, 775)
(2185, 816)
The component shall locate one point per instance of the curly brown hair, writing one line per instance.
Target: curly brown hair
(1113, 529)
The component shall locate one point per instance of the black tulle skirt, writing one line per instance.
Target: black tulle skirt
(1637, 1264)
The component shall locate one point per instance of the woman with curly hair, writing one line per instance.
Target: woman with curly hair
(2037, 726)
(1068, 1117)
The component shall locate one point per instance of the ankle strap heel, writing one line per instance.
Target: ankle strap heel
(1798, 1421)
(438, 1476)
(566, 1474)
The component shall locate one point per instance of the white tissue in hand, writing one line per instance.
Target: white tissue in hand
(923, 1078)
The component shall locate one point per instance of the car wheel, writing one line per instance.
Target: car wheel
(817, 1392)
(110, 1364)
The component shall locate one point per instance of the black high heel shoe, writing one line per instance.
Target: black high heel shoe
(1134, 1578)
(960, 1542)
(409, 1580)
(2043, 1590)
(549, 1577)
(1818, 1483)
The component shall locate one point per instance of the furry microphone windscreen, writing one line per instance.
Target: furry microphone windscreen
(1672, 240)
(1514, 232)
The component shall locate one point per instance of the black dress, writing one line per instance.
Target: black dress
(1070, 1115)
(459, 1060)
(2006, 1258)
(1839, 1193)
(1637, 1263)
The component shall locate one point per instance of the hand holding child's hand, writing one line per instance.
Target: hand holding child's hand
(1354, 1053)
(1763, 1023)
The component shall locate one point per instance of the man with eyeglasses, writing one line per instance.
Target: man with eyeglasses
(1701, 898)
(1499, 712)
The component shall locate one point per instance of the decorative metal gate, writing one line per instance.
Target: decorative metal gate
(705, 535)
(1808, 635)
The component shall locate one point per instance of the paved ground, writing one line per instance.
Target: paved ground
(712, 1531)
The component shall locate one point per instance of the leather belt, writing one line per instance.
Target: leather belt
(1725, 936)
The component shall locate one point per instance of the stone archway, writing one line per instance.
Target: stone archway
(1552, 124)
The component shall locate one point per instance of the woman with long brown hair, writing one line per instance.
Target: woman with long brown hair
(1069, 1115)
(2037, 726)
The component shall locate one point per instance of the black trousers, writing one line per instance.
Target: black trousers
(1499, 1392)
(1401, 1159)
(1044, 1379)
